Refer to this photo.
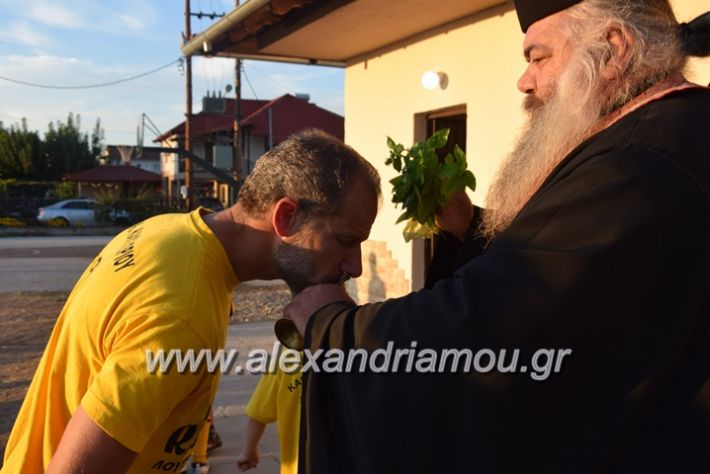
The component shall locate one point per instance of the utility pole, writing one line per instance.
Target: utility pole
(237, 118)
(188, 111)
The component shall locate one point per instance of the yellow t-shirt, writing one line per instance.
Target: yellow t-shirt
(165, 283)
(277, 397)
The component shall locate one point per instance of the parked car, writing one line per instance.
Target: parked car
(79, 212)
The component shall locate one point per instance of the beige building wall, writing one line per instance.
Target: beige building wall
(687, 10)
(482, 57)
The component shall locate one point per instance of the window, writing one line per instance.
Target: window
(76, 205)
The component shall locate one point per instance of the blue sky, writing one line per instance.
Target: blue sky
(80, 42)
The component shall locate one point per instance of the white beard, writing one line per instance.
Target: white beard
(551, 131)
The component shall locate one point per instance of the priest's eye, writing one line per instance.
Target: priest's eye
(537, 60)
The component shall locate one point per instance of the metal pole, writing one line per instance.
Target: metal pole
(237, 118)
(271, 129)
(188, 110)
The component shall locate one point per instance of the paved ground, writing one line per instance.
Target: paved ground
(45, 263)
(232, 396)
(54, 263)
(52, 242)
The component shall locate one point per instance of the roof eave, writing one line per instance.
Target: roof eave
(282, 59)
(205, 43)
(202, 41)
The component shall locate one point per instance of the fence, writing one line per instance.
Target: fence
(36, 211)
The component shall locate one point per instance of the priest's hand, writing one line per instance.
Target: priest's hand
(313, 298)
(456, 216)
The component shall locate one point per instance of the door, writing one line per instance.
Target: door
(455, 120)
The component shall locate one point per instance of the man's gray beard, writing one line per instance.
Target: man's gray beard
(296, 266)
(551, 131)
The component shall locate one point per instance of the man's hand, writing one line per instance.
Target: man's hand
(456, 216)
(311, 299)
(248, 460)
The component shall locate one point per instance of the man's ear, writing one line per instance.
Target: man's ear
(620, 45)
(284, 217)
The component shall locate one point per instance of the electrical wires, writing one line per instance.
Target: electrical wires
(92, 86)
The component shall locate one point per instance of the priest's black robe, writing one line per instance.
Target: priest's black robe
(611, 259)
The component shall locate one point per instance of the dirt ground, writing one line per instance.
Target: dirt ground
(26, 321)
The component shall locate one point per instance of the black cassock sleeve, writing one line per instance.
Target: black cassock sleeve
(595, 264)
(450, 253)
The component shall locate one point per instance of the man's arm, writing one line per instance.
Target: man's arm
(559, 264)
(596, 267)
(85, 448)
(249, 458)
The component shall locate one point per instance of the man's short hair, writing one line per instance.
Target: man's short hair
(312, 167)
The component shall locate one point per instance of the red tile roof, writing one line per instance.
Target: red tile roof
(289, 115)
(204, 123)
(112, 174)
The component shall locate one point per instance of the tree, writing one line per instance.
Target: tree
(97, 139)
(21, 154)
(67, 148)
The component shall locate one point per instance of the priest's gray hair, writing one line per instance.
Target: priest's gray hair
(657, 51)
(583, 96)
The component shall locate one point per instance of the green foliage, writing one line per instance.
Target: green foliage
(65, 190)
(97, 138)
(426, 182)
(145, 192)
(57, 222)
(20, 153)
(11, 222)
(14, 187)
(139, 208)
(65, 149)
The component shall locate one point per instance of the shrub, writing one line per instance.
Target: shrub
(57, 222)
(11, 222)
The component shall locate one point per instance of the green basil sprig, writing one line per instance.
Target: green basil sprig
(425, 183)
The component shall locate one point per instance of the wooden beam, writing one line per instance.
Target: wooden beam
(297, 19)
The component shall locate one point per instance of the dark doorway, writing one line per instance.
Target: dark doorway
(455, 120)
(457, 135)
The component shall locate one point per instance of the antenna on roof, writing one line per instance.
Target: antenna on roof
(141, 132)
(139, 137)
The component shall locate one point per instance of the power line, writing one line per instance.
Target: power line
(92, 86)
(251, 66)
(249, 82)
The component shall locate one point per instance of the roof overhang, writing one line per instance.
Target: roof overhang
(325, 32)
